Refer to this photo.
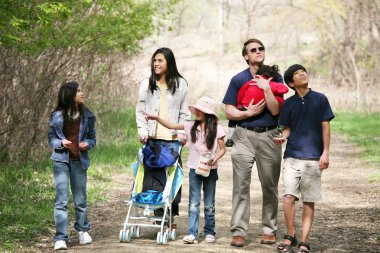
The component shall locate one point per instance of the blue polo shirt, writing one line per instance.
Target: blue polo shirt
(265, 119)
(304, 116)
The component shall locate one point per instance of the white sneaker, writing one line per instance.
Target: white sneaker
(58, 245)
(210, 238)
(84, 238)
(189, 239)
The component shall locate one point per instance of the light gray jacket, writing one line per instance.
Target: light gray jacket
(150, 103)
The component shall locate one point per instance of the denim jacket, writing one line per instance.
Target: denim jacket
(150, 103)
(87, 134)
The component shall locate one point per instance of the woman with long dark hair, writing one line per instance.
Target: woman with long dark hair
(71, 135)
(164, 94)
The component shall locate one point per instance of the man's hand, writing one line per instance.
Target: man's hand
(262, 83)
(253, 110)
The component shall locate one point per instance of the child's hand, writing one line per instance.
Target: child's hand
(279, 139)
(83, 145)
(66, 143)
(150, 117)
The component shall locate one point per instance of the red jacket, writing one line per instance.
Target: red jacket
(250, 91)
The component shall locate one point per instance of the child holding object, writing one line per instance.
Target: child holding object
(71, 135)
(206, 147)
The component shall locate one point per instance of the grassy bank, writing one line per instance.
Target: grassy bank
(363, 130)
(27, 191)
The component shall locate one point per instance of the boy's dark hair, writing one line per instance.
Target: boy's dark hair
(288, 75)
(268, 71)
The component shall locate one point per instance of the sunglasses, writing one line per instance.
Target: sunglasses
(254, 50)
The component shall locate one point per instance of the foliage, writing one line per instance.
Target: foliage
(361, 129)
(119, 25)
(27, 191)
(44, 43)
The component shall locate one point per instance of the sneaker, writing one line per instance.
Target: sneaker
(210, 238)
(229, 143)
(60, 245)
(190, 239)
(84, 238)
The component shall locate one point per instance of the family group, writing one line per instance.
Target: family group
(260, 120)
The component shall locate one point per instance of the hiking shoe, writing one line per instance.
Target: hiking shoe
(190, 239)
(60, 245)
(237, 241)
(210, 238)
(229, 143)
(84, 238)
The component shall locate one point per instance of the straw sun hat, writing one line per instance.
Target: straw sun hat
(206, 105)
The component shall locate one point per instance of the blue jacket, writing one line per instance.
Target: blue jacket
(87, 134)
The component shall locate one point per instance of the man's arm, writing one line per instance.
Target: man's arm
(232, 113)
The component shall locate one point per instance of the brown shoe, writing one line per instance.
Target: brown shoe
(268, 239)
(237, 241)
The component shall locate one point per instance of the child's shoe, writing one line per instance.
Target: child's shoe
(210, 238)
(84, 238)
(189, 239)
(60, 245)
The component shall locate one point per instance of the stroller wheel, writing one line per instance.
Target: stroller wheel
(159, 238)
(167, 232)
(132, 232)
(165, 238)
(138, 232)
(173, 234)
(124, 236)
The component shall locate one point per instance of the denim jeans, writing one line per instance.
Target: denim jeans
(209, 187)
(74, 174)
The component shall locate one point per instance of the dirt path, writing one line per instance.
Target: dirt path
(346, 221)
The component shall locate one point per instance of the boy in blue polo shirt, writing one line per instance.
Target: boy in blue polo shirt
(305, 118)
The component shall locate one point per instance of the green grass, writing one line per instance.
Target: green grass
(27, 191)
(363, 130)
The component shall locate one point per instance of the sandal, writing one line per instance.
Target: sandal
(303, 244)
(282, 247)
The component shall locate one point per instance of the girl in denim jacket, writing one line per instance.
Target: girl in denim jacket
(71, 135)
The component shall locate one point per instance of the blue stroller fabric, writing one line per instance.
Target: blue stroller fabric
(149, 197)
(158, 156)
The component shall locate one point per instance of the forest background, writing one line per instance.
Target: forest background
(106, 46)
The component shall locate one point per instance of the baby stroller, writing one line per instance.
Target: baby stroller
(158, 177)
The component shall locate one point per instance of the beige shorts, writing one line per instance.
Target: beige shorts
(302, 179)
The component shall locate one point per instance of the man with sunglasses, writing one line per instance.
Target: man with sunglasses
(252, 139)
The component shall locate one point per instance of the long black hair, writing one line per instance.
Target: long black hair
(66, 100)
(171, 76)
(211, 127)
